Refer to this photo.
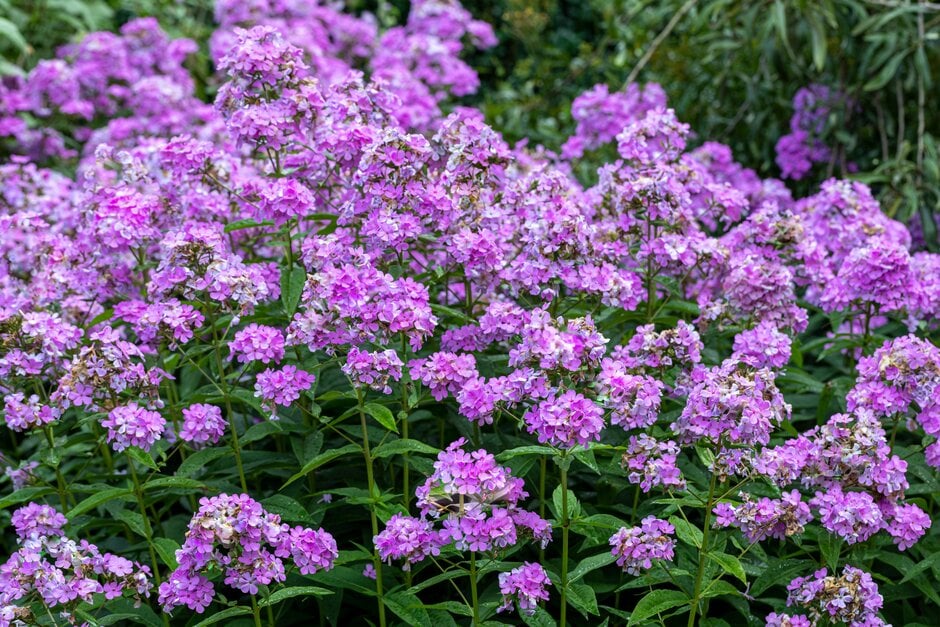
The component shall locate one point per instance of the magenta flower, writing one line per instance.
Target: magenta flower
(566, 420)
(526, 585)
(132, 425)
(765, 518)
(373, 369)
(234, 534)
(636, 548)
(851, 598)
(258, 343)
(408, 539)
(202, 424)
(281, 387)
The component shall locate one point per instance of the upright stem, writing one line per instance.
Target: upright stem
(543, 462)
(255, 611)
(290, 247)
(406, 465)
(406, 496)
(650, 284)
(473, 588)
(564, 546)
(468, 299)
(139, 493)
(228, 405)
(60, 480)
(370, 477)
(636, 503)
(703, 552)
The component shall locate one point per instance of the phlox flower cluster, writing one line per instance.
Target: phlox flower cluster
(851, 598)
(374, 369)
(651, 350)
(650, 462)
(898, 379)
(566, 420)
(733, 403)
(202, 424)
(470, 502)
(636, 548)
(250, 546)
(257, 342)
(764, 346)
(281, 387)
(132, 425)
(170, 319)
(765, 517)
(409, 539)
(21, 476)
(601, 115)
(804, 145)
(352, 304)
(325, 215)
(526, 585)
(633, 399)
(104, 368)
(61, 572)
(443, 373)
(557, 344)
(861, 483)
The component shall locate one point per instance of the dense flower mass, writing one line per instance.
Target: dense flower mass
(131, 425)
(566, 420)
(766, 518)
(851, 598)
(731, 402)
(281, 387)
(470, 502)
(409, 539)
(636, 548)
(236, 338)
(235, 535)
(61, 572)
(526, 585)
(202, 424)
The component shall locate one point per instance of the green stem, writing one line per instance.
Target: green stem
(370, 477)
(468, 300)
(290, 247)
(60, 480)
(269, 611)
(473, 588)
(406, 495)
(148, 530)
(564, 546)
(543, 462)
(894, 431)
(650, 279)
(636, 503)
(223, 384)
(406, 462)
(255, 611)
(703, 553)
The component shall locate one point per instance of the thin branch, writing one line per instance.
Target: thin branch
(923, 7)
(921, 100)
(659, 40)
